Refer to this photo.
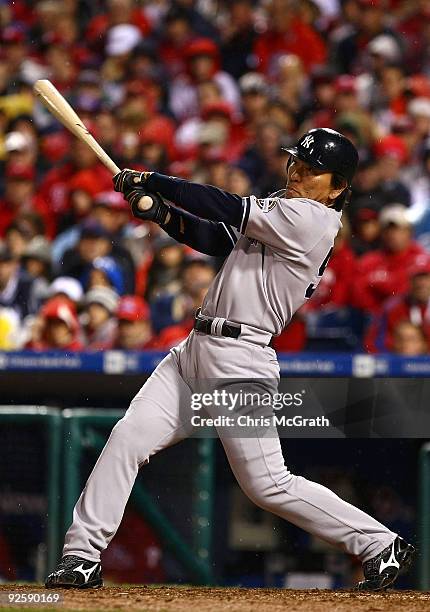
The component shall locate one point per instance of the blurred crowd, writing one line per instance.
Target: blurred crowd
(210, 91)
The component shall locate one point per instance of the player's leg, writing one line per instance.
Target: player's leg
(258, 465)
(157, 417)
(257, 460)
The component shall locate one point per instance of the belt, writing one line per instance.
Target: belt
(216, 326)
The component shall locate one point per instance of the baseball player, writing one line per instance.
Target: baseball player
(277, 249)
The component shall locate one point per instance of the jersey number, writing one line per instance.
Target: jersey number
(323, 266)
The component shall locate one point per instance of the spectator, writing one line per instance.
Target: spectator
(67, 288)
(409, 340)
(168, 310)
(95, 243)
(20, 197)
(98, 321)
(175, 34)
(392, 154)
(57, 185)
(18, 290)
(104, 272)
(36, 262)
(291, 82)
(164, 271)
(238, 181)
(413, 307)
(417, 178)
(383, 273)
(261, 154)
(58, 328)
(238, 38)
(287, 33)
(365, 230)
(366, 188)
(20, 149)
(134, 326)
(202, 57)
(17, 238)
(367, 20)
(118, 12)
(112, 211)
(255, 98)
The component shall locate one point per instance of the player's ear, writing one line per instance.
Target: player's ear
(338, 186)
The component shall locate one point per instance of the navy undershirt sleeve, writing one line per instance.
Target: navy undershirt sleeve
(203, 201)
(207, 237)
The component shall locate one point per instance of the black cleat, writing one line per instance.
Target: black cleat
(75, 573)
(381, 571)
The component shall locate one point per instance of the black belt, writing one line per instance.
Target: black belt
(204, 325)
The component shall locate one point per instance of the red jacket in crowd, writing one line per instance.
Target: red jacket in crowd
(379, 337)
(381, 274)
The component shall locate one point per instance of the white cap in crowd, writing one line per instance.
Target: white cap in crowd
(395, 214)
(122, 39)
(68, 286)
(102, 295)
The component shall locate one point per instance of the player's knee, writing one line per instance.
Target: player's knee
(266, 493)
(126, 435)
(256, 494)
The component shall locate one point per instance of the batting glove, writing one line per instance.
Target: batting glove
(127, 179)
(158, 211)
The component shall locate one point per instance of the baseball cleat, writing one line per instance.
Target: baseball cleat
(75, 573)
(381, 571)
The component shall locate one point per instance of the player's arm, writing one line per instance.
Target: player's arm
(204, 201)
(209, 237)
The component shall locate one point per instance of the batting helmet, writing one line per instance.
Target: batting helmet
(327, 150)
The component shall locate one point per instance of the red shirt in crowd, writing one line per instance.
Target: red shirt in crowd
(171, 336)
(381, 274)
(334, 288)
(59, 182)
(293, 338)
(301, 40)
(38, 204)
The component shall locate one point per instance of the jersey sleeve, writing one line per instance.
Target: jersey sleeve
(286, 225)
(209, 237)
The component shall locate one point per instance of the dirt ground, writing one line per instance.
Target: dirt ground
(216, 599)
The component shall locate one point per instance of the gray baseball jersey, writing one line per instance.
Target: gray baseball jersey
(277, 261)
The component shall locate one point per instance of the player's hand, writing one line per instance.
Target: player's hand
(142, 208)
(127, 179)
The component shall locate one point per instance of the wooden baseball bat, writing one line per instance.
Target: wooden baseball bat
(61, 109)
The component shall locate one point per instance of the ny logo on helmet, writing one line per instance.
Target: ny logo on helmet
(306, 142)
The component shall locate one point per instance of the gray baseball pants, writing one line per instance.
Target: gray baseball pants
(160, 415)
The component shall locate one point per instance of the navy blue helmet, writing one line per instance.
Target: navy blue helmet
(327, 150)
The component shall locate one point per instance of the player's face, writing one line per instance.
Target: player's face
(305, 181)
